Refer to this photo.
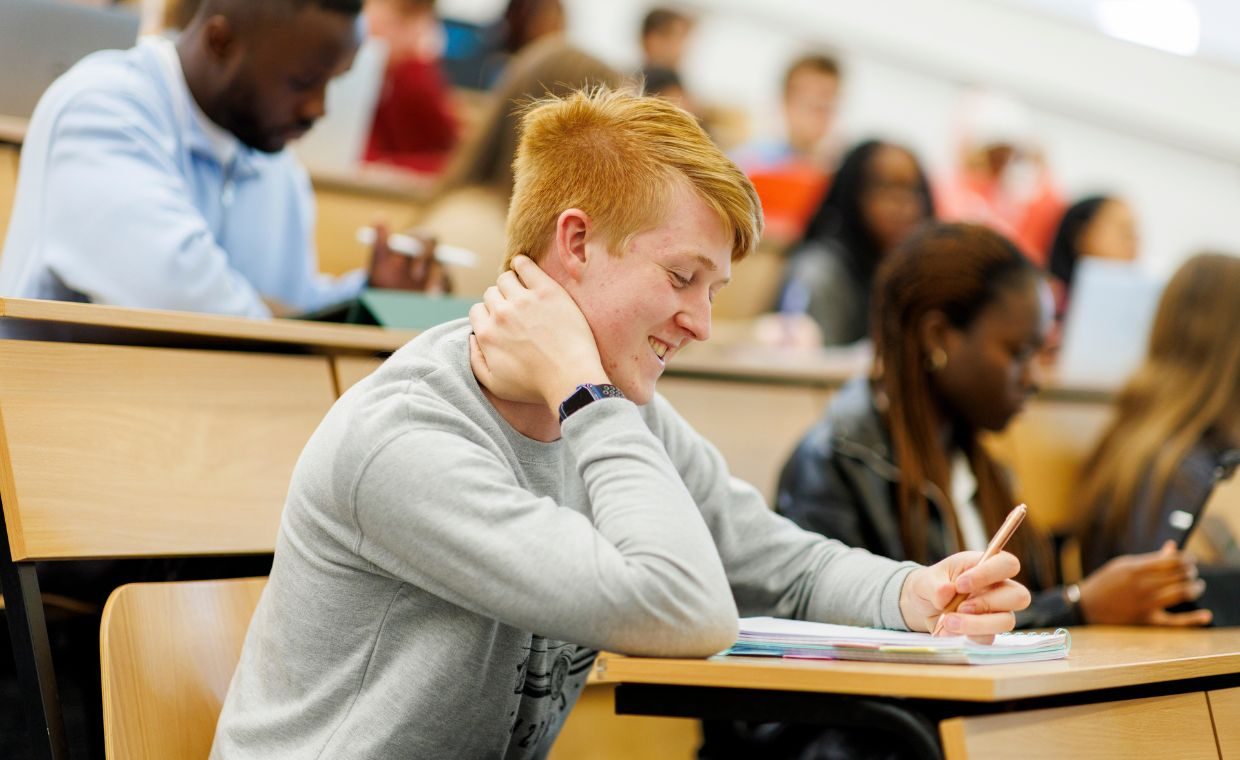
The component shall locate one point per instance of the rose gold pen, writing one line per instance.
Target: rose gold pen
(1009, 526)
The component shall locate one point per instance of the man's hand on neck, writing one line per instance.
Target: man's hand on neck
(531, 348)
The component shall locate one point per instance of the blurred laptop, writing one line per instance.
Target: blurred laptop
(41, 39)
(1107, 327)
(338, 140)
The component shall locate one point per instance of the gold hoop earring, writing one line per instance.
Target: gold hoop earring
(937, 360)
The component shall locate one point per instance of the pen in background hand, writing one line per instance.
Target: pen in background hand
(1009, 526)
(411, 246)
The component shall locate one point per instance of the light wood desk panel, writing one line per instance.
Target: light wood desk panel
(351, 369)
(593, 731)
(1176, 726)
(1045, 447)
(1225, 708)
(341, 209)
(756, 427)
(8, 186)
(13, 129)
(113, 451)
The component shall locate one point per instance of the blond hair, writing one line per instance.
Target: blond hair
(1188, 385)
(619, 156)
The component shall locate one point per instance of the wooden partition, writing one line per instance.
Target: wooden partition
(1045, 448)
(111, 451)
(350, 369)
(756, 427)
(1225, 709)
(115, 451)
(343, 206)
(8, 186)
(1176, 726)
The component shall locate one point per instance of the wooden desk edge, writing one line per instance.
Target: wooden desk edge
(927, 682)
(414, 189)
(13, 129)
(355, 338)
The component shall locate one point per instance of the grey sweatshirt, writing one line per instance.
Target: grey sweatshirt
(442, 583)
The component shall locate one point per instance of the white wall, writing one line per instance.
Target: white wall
(1162, 130)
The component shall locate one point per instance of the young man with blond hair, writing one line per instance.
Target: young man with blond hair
(508, 495)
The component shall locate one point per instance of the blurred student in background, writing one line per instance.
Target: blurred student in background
(896, 465)
(790, 172)
(878, 197)
(470, 208)
(1099, 226)
(526, 21)
(665, 35)
(1001, 179)
(811, 92)
(415, 126)
(666, 84)
(157, 177)
(1176, 432)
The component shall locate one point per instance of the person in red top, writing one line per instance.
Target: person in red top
(415, 126)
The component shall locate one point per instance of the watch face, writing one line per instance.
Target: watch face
(586, 394)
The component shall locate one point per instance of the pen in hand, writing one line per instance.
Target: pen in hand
(411, 246)
(1013, 521)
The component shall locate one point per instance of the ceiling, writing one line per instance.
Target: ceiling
(1208, 29)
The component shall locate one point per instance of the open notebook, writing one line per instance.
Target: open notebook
(774, 637)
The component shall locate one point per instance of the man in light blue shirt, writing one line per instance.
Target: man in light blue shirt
(157, 177)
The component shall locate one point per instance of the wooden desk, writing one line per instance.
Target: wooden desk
(13, 129)
(348, 200)
(111, 324)
(9, 157)
(1118, 683)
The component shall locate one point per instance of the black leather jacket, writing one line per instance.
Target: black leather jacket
(841, 481)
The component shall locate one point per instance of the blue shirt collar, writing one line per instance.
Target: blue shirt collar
(202, 136)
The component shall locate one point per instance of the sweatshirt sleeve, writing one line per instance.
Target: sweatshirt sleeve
(638, 574)
(773, 566)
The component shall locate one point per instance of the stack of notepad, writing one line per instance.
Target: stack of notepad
(773, 637)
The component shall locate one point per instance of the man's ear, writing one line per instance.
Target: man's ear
(571, 230)
(220, 39)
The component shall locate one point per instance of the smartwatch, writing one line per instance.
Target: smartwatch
(587, 394)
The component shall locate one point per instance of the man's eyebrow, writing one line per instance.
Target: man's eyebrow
(706, 262)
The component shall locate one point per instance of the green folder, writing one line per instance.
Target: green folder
(396, 308)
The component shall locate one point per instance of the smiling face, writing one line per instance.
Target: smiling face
(274, 80)
(646, 304)
(989, 373)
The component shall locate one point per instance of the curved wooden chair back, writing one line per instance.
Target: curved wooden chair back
(168, 652)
